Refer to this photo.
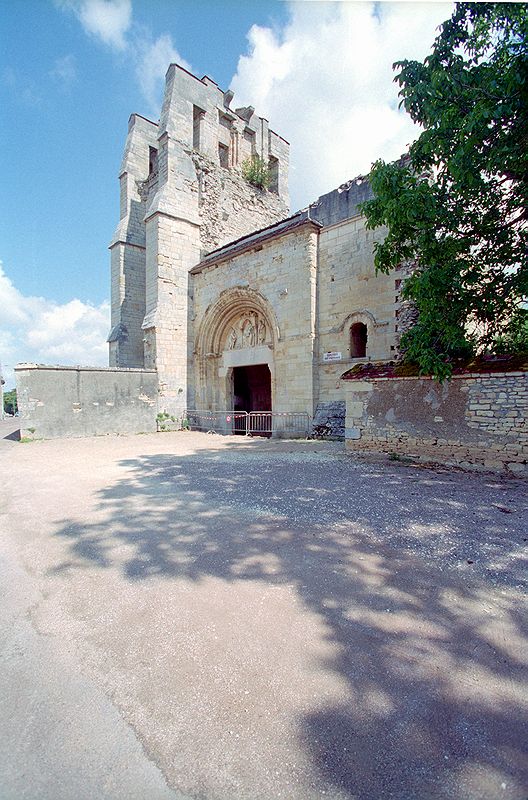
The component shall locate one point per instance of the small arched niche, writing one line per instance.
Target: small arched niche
(358, 340)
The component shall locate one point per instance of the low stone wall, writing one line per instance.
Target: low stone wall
(475, 421)
(61, 402)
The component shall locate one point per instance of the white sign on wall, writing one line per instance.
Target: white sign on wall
(332, 357)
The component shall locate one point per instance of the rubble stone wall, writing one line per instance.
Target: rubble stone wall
(476, 421)
(329, 420)
(228, 206)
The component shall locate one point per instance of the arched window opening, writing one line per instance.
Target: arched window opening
(273, 168)
(358, 340)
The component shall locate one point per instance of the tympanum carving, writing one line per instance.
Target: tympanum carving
(248, 331)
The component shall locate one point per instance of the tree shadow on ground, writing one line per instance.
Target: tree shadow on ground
(416, 577)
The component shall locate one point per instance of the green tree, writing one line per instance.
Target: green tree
(515, 338)
(10, 402)
(456, 208)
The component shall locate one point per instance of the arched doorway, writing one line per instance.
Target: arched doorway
(234, 354)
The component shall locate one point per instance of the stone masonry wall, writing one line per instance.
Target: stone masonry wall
(349, 291)
(128, 248)
(62, 402)
(182, 194)
(276, 280)
(195, 203)
(476, 421)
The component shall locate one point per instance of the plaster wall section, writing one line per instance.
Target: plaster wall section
(128, 248)
(62, 402)
(475, 421)
(281, 273)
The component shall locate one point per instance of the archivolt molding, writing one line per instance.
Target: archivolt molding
(363, 316)
(239, 318)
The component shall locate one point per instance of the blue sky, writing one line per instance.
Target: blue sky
(72, 71)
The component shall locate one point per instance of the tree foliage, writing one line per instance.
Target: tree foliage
(10, 402)
(456, 207)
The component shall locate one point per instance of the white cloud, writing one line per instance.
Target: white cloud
(152, 61)
(64, 71)
(39, 330)
(325, 82)
(111, 21)
(108, 20)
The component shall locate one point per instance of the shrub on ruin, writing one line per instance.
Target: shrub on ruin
(256, 172)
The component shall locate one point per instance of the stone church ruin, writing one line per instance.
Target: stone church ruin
(221, 300)
(228, 313)
(232, 301)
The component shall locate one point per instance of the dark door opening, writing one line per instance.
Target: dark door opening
(252, 388)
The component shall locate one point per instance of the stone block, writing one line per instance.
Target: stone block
(517, 467)
(355, 409)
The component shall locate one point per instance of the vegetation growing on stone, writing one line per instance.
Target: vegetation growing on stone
(457, 207)
(484, 363)
(514, 340)
(407, 370)
(256, 172)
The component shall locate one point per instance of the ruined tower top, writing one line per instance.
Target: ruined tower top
(198, 113)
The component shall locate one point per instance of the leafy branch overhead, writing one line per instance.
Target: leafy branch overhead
(457, 206)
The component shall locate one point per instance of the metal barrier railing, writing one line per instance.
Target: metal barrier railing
(225, 422)
(254, 423)
(279, 423)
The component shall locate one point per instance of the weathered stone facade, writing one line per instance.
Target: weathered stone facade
(211, 280)
(476, 421)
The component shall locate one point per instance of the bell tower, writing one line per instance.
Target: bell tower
(183, 194)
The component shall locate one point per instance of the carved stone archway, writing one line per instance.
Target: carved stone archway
(238, 329)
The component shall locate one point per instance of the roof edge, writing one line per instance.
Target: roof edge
(252, 240)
